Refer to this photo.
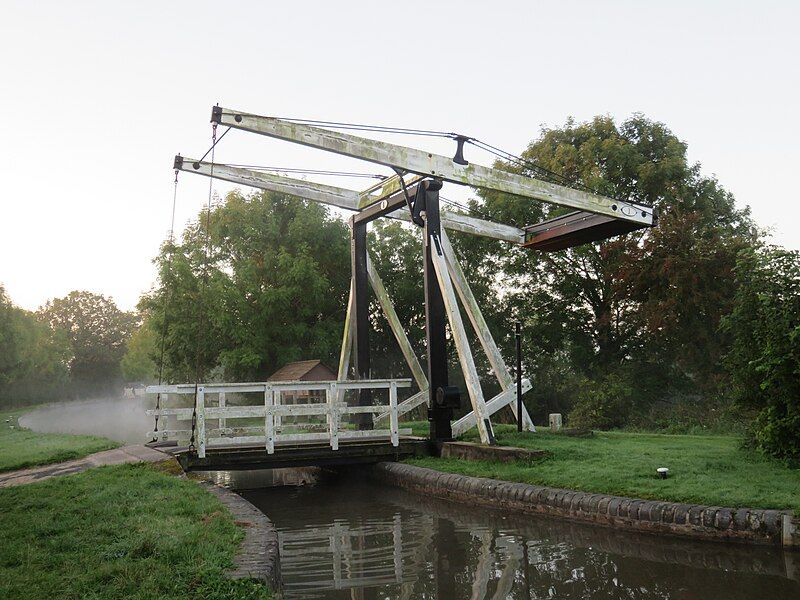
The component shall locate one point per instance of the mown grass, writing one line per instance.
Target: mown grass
(21, 448)
(128, 531)
(704, 469)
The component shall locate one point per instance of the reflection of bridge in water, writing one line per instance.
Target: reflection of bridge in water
(361, 541)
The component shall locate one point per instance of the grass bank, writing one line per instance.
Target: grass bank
(128, 531)
(21, 448)
(704, 469)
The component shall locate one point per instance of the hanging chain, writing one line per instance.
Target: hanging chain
(167, 298)
(202, 319)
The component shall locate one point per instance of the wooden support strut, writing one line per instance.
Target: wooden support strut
(471, 377)
(475, 315)
(343, 198)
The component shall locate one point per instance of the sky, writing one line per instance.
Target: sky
(97, 97)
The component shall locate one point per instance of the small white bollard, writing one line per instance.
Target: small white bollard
(555, 421)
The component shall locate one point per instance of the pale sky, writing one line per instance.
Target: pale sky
(97, 97)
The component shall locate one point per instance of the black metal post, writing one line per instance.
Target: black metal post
(358, 257)
(439, 417)
(518, 336)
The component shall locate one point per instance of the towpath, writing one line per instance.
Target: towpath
(117, 456)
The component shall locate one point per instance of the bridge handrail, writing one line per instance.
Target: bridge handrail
(272, 411)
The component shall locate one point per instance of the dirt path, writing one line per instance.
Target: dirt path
(117, 456)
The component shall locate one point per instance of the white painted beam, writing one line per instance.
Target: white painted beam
(435, 165)
(347, 199)
(396, 326)
(471, 378)
(502, 399)
(475, 315)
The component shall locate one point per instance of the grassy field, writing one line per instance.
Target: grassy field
(128, 531)
(20, 448)
(704, 469)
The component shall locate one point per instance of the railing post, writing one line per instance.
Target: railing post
(201, 421)
(222, 405)
(277, 400)
(393, 420)
(269, 423)
(331, 395)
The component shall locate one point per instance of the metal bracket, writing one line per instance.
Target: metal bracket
(459, 157)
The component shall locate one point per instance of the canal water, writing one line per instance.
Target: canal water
(347, 538)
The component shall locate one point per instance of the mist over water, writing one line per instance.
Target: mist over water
(122, 419)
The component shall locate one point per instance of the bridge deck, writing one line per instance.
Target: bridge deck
(243, 458)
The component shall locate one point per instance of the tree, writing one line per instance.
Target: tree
(97, 331)
(139, 362)
(646, 305)
(33, 358)
(764, 358)
(268, 285)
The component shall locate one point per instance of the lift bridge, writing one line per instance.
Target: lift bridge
(357, 418)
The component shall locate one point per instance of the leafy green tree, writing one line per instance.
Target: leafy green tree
(646, 305)
(33, 358)
(141, 351)
(266, 286)
(764, 358)
(97, 331)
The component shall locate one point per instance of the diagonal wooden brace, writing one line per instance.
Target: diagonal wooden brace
(475, 315)
(502, 399)
(471, 378)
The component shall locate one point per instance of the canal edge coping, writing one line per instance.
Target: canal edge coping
(756, 526)
(258, 556)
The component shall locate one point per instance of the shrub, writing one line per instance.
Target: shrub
(764, 360)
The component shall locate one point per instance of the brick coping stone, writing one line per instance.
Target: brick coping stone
(257, 556)
(756, 526)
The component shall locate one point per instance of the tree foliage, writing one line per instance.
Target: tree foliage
(764, 358)
(645, 306)
(266, 286)
(97, 331)
(33, 358)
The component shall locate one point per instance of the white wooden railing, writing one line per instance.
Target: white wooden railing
(273, 431)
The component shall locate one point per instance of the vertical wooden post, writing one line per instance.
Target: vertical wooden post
(277, 400)
(393, 420)
(269, 424)
(331, 394)
(222, 401)
(201, 421)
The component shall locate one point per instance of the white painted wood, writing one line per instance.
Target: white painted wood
(426, 163)
(333, 415)
(502, 399)
(393, 423)
(396, 326)
(384, 189)
(342, 197)
(471, 378)
(409, 404)
(327, 194)
(276, 413)
(200, 430)
(347, 338)
(222, 402)
(481, 328)
(269, 421)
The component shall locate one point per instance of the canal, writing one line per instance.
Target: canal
(347, 538)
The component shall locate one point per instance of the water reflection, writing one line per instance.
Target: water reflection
(346, 539)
